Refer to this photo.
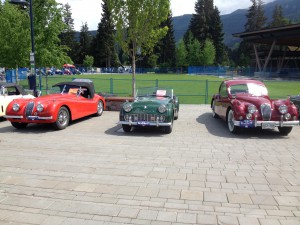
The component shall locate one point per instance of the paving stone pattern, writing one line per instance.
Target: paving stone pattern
(92, 173)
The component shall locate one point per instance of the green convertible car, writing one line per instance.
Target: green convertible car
(296, 100)
(157, 107)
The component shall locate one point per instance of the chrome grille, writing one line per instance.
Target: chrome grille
(143, 117)
(266, 111)
(29, 109)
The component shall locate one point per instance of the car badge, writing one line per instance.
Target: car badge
(145, 107)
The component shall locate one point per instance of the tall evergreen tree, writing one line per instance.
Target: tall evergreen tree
(103, 45)
(84, 43)
(206, 24)
(277, 17)
(217, 37)
(166, 48)
(67, 37)
(256, 19)
(198, 23)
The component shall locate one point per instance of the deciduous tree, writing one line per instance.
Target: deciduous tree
(137, 25)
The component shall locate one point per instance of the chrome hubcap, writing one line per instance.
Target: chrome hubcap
(62, 118)
(100, 107)
(230, 121)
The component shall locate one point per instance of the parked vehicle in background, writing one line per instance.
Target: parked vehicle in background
(67, 72)
(157, 107)
(71, 101)
(246, 104)
(8, 92)
(296, 100)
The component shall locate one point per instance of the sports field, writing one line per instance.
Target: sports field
(191, 89)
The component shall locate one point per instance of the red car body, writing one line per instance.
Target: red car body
(76, 99)
(246, 104)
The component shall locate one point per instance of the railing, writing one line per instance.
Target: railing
(190, 91)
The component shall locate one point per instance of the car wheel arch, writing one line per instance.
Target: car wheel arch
(67, 107)
(211, 103)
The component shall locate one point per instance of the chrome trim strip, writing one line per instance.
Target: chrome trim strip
(13, 117)
(40, 118)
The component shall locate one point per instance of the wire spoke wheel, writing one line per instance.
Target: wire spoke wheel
(63, 119)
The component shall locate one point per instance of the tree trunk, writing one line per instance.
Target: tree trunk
(133, 76)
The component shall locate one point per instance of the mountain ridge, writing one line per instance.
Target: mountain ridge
(235, 21)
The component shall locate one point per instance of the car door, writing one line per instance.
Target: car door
(222, 101)
(87, 105)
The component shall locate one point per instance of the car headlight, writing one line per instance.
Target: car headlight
(252, 109)
(283, 109)
(39, 107)
(127, 107)
(16, 107)
(162, 108)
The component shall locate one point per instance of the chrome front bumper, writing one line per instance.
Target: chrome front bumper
(145, 123)
(266, 124)
(29, 117)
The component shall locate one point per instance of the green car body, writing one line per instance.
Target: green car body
(157, 107)
(296, 100)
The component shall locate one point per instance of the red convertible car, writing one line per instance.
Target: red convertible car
(246, 104)
(72, 100)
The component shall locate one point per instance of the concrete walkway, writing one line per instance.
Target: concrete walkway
(93, 173)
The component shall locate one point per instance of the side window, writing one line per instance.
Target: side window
(12, 91)
(223, 90)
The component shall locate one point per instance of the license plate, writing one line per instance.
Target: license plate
(268, 125)
(247, 123)
(143, 123)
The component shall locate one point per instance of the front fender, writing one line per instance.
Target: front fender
(239, 108)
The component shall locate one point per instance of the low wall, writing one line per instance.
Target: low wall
(114, 103)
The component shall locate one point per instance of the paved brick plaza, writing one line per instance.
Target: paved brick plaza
(93, 173)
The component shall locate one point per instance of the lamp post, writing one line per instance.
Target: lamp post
(32, 53)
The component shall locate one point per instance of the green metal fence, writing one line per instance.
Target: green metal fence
(188, 91)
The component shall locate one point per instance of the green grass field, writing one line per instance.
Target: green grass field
(190, 89)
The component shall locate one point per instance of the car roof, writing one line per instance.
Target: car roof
(18, 87)
(242, 81)
(85, 84)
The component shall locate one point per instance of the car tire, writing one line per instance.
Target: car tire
(100, 108)
(126, 128)
(63, 119)
(19, 125)
(168, 129)
(213, 109)
(230, 122)
(176, 114)
(285, 130)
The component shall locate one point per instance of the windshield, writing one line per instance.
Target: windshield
(250, 88)
(154, 91)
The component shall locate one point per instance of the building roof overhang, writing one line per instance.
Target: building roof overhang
(285, 35)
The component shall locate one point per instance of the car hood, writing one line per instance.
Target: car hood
(255, 100)
(48, 98)
(150, 101)
(148, 104)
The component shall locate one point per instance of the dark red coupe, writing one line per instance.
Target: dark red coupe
(72, 100)
(246, 104)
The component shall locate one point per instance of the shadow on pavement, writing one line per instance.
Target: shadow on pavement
(39, 128)
(218, 127)
(136, 131)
